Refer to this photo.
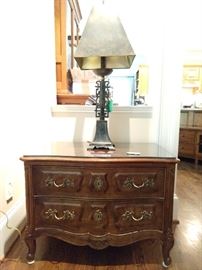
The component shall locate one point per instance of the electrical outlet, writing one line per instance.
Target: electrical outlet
(8, 190)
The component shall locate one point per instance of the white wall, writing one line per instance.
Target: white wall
(27, 89)
(77, 123)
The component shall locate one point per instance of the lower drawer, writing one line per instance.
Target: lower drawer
(99, 217)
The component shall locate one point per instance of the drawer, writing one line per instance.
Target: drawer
(187, 149)
(107, 182)
(53, 180)
(98, 217)
(187, 136)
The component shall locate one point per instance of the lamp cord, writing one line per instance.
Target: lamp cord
(10, 228)
(7, 260)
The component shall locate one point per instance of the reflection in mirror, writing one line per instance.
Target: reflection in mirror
(129, 87)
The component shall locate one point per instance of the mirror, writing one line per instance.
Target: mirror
(75, 86)
(151, 32)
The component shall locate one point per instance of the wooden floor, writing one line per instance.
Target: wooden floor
(186, 254)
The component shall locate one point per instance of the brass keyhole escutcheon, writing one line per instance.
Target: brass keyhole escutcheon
(98, 183)
(98, 216)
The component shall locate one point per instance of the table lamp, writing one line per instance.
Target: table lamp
(103, 46)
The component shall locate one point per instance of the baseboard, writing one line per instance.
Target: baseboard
(16, 217)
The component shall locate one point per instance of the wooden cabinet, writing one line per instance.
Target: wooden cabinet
(190, 137)
(190, 142)
(100, 199)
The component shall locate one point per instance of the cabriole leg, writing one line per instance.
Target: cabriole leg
(167, 245)
(31, 244)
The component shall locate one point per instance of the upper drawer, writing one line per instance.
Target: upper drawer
(187, 136)
(103, 182)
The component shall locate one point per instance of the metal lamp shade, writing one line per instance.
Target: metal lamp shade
(104, 37)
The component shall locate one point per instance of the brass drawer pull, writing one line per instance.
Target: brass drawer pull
(129, 216)
(49, 182)
(53, 214)
(129, 183)
(98, 216)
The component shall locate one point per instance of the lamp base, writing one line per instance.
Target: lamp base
(101, 139)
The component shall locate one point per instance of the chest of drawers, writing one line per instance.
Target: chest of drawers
(100, 199)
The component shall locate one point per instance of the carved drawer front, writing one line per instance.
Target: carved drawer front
(51, 214)
(148, 183)
(138, 216)
(59, 181)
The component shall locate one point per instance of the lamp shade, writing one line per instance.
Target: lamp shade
(104, 38)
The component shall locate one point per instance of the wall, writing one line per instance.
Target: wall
(27, 83)
(77, 123)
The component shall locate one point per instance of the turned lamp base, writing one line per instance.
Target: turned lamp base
(101, 139)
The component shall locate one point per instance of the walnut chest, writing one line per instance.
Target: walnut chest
(100, 198)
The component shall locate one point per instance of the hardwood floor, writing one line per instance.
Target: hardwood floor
(186, 254)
